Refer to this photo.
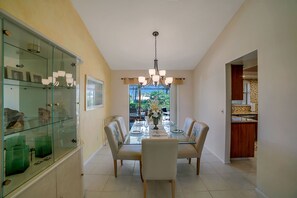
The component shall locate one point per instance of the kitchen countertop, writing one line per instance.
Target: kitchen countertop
(245, 113)
(237, 119)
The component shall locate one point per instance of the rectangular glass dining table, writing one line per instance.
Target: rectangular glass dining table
(141, 130)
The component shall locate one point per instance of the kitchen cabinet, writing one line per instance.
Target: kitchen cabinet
(39, 106)
(243, 131)
(236, 82)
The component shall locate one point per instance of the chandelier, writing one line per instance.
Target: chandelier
(156, 76)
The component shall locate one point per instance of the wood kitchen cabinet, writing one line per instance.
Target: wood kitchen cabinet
(237, 82)
(243, 139)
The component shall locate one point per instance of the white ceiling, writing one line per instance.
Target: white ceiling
(122, 30)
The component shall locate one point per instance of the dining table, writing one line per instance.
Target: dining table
(166, 129)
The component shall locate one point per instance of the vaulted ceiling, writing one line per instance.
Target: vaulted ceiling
(122, 30)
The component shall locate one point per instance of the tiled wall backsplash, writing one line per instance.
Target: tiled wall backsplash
(241, 108)
(254, 91)
(244, 108)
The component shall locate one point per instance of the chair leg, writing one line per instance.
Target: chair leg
(121, 162)
(115, 168)
(144, 188)
(173, 188)
(189, 160)
(198, 166)
(140, 169)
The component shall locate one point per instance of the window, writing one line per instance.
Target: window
(147, 93)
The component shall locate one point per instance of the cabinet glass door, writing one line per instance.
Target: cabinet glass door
(64, 100)
(27, 120)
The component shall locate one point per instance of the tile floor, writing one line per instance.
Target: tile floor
(216, 180)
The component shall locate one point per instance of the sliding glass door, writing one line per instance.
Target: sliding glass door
(139, 98)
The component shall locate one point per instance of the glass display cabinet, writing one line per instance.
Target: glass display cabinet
(39, 105)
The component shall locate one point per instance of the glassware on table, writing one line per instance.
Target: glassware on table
(146, 127)
(146, 124)
(173, 126)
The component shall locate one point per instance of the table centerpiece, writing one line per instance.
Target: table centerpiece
(155, 112)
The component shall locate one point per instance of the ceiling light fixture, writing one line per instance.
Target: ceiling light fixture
(156, 76)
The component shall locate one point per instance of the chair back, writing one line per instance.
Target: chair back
(199, 132)
(121, 122)
(159, 157)
(108, 119)
(114, 137)
(188, 125)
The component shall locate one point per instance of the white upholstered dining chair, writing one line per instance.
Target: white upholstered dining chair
(159, 157)
(121, 122)
(199, 132)
(118, 150)
(188, 125)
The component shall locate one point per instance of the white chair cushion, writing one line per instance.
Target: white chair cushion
(129, 152)
(187, 151)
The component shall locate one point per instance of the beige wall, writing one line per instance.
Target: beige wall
(58, 21)
(120, 97)
(269, 26)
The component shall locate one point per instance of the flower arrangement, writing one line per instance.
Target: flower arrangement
(155, 111)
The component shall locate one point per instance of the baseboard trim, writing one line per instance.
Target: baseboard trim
(223, 161)
(261, 192)
(91, 156)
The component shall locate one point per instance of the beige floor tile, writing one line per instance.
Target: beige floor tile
(223, 168)
(235, 194)
(136, 169)
(105, 150)
(206, 168)
(225, 194)
(126, 169)
(251, 177)
(238, 181)
(136, 184)
(95, 182)
(99, 159)
(155, 188)
(191, 183)
(99, 168)
(209, 158)
(185, 169)
(250, 194)
(96, 194)
(245, 165)
(197, 195)
(216, 179)
(121, 183)
(214, 182)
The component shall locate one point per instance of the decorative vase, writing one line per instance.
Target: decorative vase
(156, 120)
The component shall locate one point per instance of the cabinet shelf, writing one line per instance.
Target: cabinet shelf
(20, 83)
(28, 53)
(27, 126)
(26, 84)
